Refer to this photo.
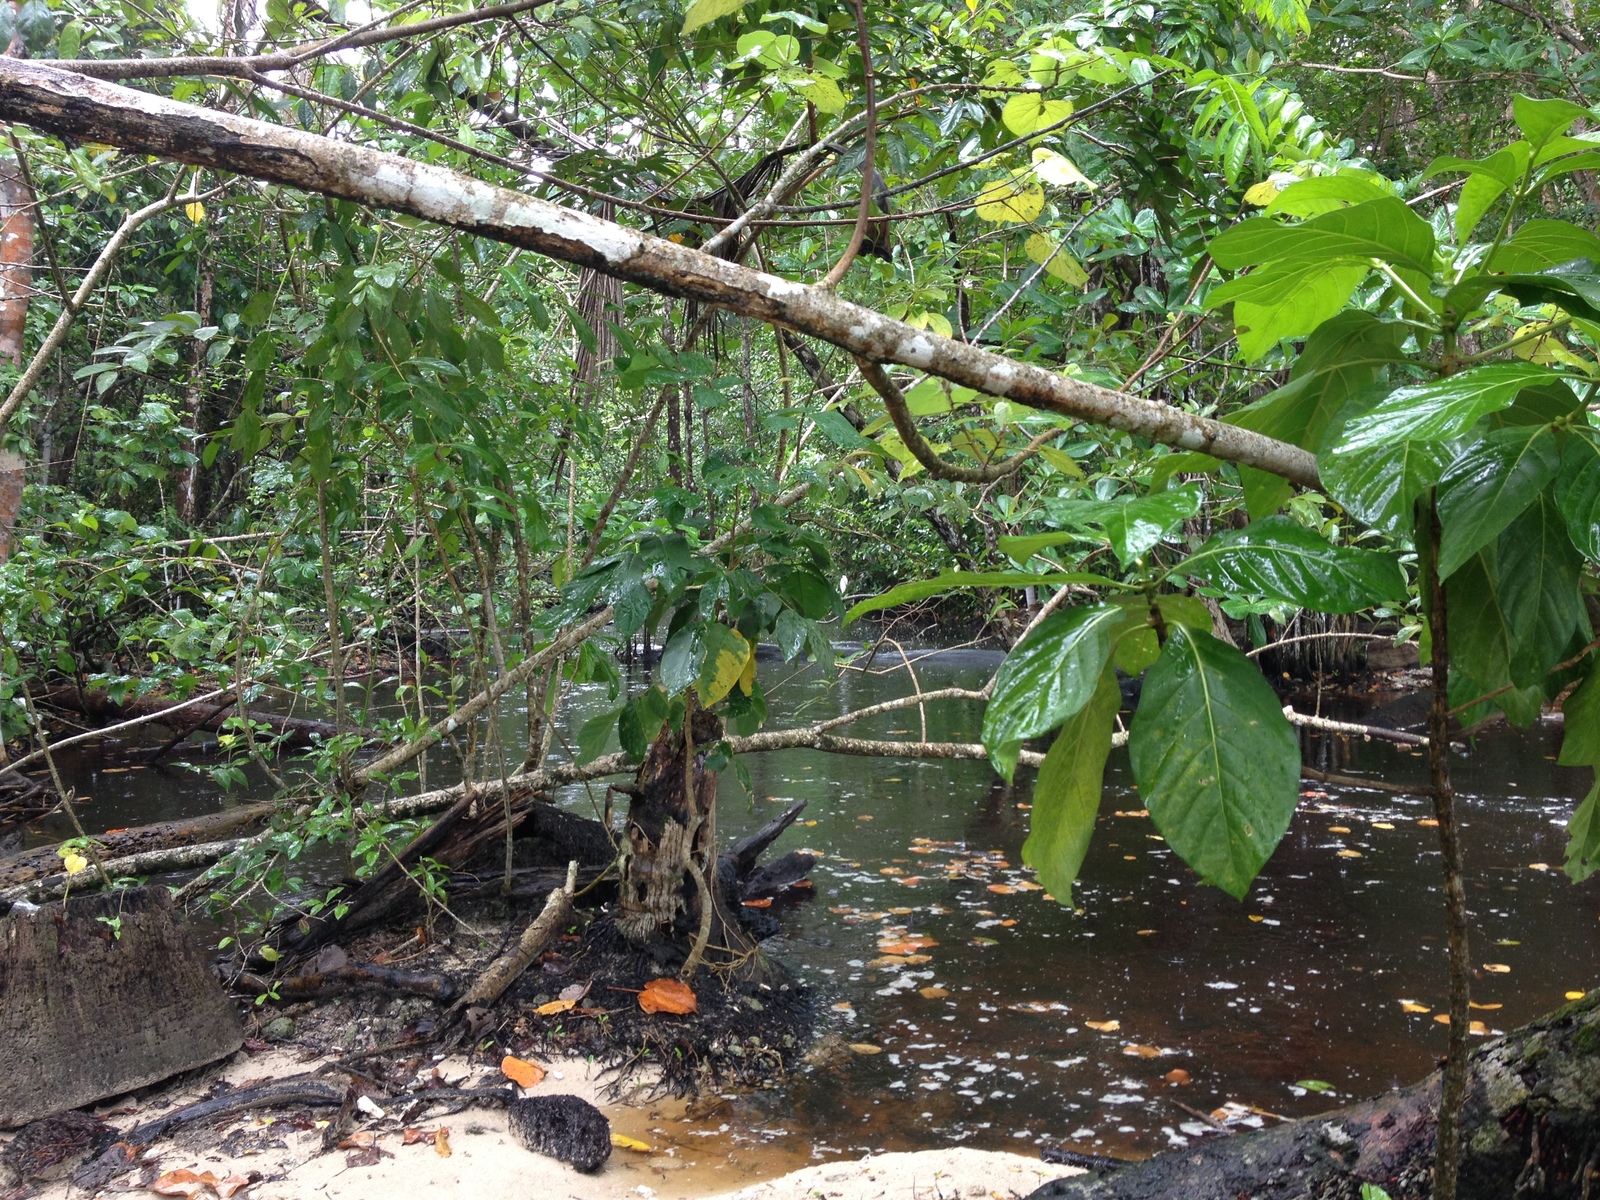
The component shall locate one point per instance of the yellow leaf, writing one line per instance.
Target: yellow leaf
(441, 1143)
(1014, 200)
(703, 12)
(555, 1006)
(1104, 1026)
(1058, 170)
(1412, 1007)
(747, 677)
(623, 1142)
(821, 91)
(1497, 968)
(1574, 996)
(196, 212)
(726, 655)
(866, 1048)
(1262, 194)
(1056, 262)
(74, 863)
(933, 993)
(1135, 1050)
(1028, 111)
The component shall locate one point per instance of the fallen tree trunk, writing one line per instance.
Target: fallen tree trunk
(186, 714)
(68, 105)
(1530, 1129)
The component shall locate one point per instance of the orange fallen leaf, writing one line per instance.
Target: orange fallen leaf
(1497, 968)
(1411, 1007)
(890, 871)
(668, 996)
(1007, 923)
(1104, 1026)
(1177, 1075)
(917, 960)
(933, 993)
(1427, 822)
(412, 1136)
(1145, 932)
(1256, 917)
(1383, 825)
(844, 1006)
(441, 1142)
(909, 944)
(1338, 829)
(889, 960)
(185, 1182)
(1538, 866)
(361, 1139)
(1138, 1051)
(866, 1048)
(232, 1184)
(1349, 854)
(1484, 1007)
(909, 881)
(764, 902)
(521, 1072)
(555, 1006)
(1001, 889)
(843, 910)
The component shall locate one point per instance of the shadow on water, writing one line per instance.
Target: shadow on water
(1006, 1020)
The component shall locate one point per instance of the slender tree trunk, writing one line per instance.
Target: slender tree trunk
(1447, 1158)
(16, 289)
(188, 483)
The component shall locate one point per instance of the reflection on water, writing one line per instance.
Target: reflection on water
(1006, 1020)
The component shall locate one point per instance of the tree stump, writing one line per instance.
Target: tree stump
(86, 1014)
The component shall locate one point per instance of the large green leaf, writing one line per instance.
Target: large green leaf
(1343, 355)
(1066, 796)
(1491, 485)
(1135, 645)
(1580, 725)
(1578, 494)
(1487, 180)
(1286, 299)
(1541, 244)
(1133, 525)
(1573, 286)
(1583, 838)
(1046, 678)
(1380, 484)
(1543, 119)
(1539, 588)
(1384, 229)
(1324, 193)
(921, 589)
(703, 12)
(1217, 762)
(726, 655)
(1442, 408)
(1281, 558)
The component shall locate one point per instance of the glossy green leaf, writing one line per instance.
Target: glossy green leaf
(1578, 494)
(641, 720)
(1572, 286)
(1046, 678)
(1066, 796)
(1443, 408)
(1488, 179)
(1385, 229)
(921, 589)
(1281, 558)
(1542, 120)
(1133, 525)
(1324, 193)
(1491, 485)
(1539, 588)
(1583, 838)
(1380, 484)
(1287, 299)
(703, 12)
(1342, 356)
(594, 733)
(1580, 725)
(1135, 645)
(681, 660)
(1215, 759)
(1540, 244)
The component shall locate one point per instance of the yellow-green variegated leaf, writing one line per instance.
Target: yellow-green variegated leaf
(1016, 200)
(726, 655)
(821, 91)
(703, 12)
(1002, 73)
(1058, 170)
(1261, 194)
(1056, 262)
(1029, 111)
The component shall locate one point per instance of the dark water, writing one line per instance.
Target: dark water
(990, 1040)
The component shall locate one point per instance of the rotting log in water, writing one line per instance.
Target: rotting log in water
(1530, 1130)
(187, 714)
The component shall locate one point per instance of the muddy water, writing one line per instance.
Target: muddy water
(1005, 1020)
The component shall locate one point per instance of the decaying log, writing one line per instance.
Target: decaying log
(186, 714)
(153, 862)
(744, 853)
(103, 995)
(1531, 1129)
(369, 976)
(503, 972)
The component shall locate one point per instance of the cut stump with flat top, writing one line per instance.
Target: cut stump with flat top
(86, 1014)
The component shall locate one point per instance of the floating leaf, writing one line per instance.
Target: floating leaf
(1177, 1075)
(1314, 1085)
(1135, 1050)
(668, 996)
(521, 1072)
(1575, 995)
(1104, 1026)
(865, 1048)
(933, 993)
(623, 1142)
(1497, 968)
(1412, 1007)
